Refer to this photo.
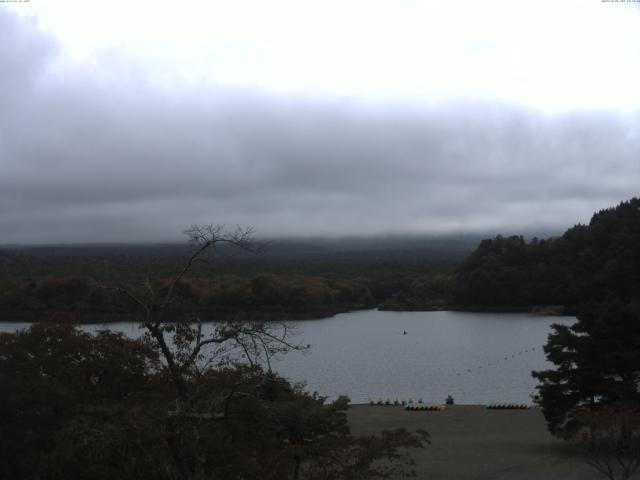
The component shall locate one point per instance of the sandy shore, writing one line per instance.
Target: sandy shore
(471, 442)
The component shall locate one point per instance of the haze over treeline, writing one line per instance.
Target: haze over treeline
(132, 136)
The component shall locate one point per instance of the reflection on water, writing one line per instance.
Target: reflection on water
(475, 357)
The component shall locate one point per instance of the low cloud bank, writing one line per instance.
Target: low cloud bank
(87, 156)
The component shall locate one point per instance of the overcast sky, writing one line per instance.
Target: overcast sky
(129, 121)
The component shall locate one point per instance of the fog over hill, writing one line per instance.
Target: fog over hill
(443, 246)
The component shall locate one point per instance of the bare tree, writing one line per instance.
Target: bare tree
(180, 338)
(612, 445)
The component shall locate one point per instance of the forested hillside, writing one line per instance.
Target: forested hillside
(289, 279)
(588, 263)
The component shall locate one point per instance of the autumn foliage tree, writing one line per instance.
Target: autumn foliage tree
(102, 406)
(51, 376)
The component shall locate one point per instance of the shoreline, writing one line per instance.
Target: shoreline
(84, 318)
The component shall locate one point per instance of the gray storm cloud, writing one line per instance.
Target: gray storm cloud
(88, 159)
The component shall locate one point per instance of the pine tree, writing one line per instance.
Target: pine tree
(597, 366)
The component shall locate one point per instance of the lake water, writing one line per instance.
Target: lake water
(475, 357)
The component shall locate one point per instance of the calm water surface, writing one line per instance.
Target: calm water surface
(475, 357)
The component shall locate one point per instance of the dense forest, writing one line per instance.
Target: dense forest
(286, 279)
(588, 263)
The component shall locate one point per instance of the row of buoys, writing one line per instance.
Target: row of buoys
(507, 357)
(425, 407)
(508, 406)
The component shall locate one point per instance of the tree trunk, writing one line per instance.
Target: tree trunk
(296, 469)
(176, 373)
